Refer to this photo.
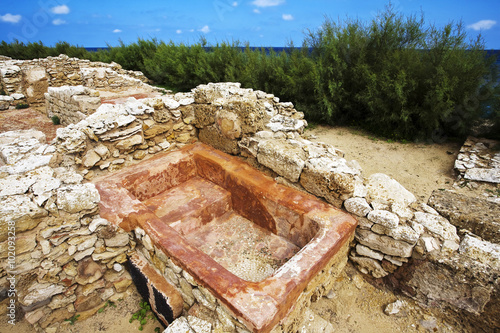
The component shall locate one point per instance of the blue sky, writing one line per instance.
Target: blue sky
(260, 22)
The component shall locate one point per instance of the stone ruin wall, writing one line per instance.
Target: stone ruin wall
(393, 228)
(27, 81)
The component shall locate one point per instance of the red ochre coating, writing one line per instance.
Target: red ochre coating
(318, 229)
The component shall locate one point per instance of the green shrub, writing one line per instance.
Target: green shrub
(22, 106)
(396, 77)
(55, 120)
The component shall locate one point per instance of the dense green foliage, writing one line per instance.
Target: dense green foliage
(394, 76)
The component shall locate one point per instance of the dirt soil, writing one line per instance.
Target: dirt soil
(354, 305)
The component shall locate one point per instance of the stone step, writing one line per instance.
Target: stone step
(190, 205)
(248, 251)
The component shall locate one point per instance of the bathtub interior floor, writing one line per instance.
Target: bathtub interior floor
(242, 247)
(201, 211)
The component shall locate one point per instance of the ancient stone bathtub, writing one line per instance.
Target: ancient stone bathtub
(254, 244)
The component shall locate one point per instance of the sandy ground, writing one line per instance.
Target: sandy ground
(354, 305)
(419, 167)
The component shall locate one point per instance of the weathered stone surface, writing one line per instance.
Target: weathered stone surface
(40, 292)
(211, 136)
(481, 251)
(477, 215)
(121, 239)
(286, 124)
(479, 160)
(384, 218)
(228, 124)
(384, 189)
(384, 244)
(88, 271)
(329, 177)
(20, 211)
(15, 184)
(367, 252)
(75, 198)
(5, 102)
(468, 287)
(90, 158)
(357, 206)
(157, 129)
(483, 175)
(180, 325)
(368, 266)
(437, 225)
(126, 144)
(199, 325)
(24, 242)
(71, 139)
(282, 157)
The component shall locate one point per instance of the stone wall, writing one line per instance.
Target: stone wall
(33, 77)
(58, 258)
(118, 135)
(71, 104)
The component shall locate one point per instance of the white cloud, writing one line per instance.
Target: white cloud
(58, 22)
(178, 31)
(10, 18)
(62, 9)
(287, 17)
(191, 30)
(256, 11)
(205, 29)
(482, 25)
(117, 31)
(235, 4)
(267, 3)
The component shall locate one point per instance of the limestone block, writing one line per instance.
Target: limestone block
(211, 136)
(286, 124)
(15, 184)
(36, 83)
(5, 102)
(329, 177)
(157, 129)
(481, 250)
(483, 175)
(40, 292)
(477, 215)
(71, 139)
(119, 240)
(384, 218)
(357, 206)
(83, 242)
(367, 252)
(25, 242)
(228, 124)
(127, 144)
(209, 93)
(282, 157)
(384, 244)
(76, 198)
(204, 115)
(180, 325)
(19, 211)
(199, 325)
(369, 266)
(90, 158)
(385, 189)
(136, 108)
(437, 225)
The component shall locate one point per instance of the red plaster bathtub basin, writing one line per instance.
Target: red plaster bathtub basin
(253, 243)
